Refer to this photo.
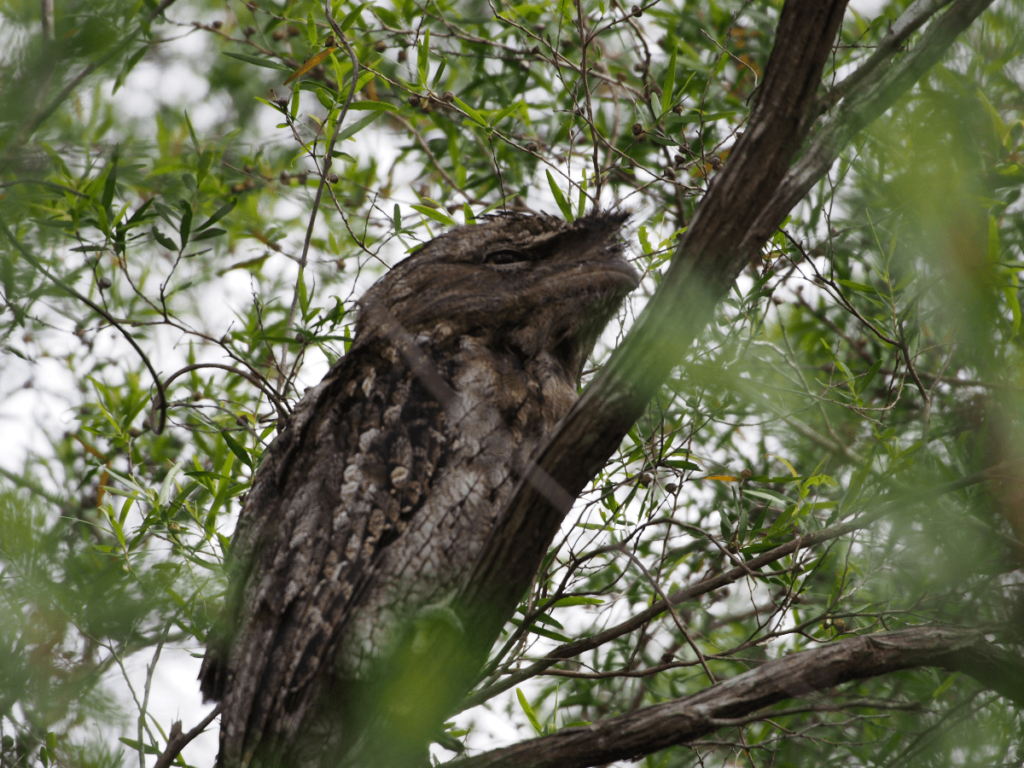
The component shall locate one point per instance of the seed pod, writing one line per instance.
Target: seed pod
(531, 147)
(332, 178)
(637, 129)
(217, 24)
(448, 97)
(103, 283)
(330, 42)
(414, 100)
(637, 12)
(380, 46)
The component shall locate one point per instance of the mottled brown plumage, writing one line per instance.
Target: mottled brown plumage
(372, 503)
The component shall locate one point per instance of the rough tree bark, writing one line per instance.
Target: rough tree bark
(729, 703)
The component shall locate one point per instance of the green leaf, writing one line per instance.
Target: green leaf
(438, 74)
(375, 106)
(386, 16)
(529, 711)
(543, 632)
(110, 183)
(357, 126)
(208, 234)
(422, 58)
(946, 685)
(192, 133)
(116, 528)
(129, 65)
(476, 116)
(311, 32)
(434, 214)
(303, 295)
(147, 748)
(1012, 294)
(165, 241)
(860, 287)
(350, 19)
(670, 83)
(560, 201)
(219, 214)
(567, 601)
(236, 448)
(186, 222)
(168, 484)
(645, 243)
(774, 499)
(258, 62)
(868, 377)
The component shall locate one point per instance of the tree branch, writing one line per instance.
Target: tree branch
(178, 740)
(684, 720)
(757, 186)
(873, 97)
(701, 272)
(731, 576)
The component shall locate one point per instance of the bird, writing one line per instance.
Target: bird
(371, 504)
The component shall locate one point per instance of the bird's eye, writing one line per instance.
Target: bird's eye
(504, 256)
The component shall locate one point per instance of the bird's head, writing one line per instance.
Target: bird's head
(531, 283)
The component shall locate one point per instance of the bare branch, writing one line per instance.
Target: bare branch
(682, 721)
(178, 740)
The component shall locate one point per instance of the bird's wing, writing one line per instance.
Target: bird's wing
(334, 489)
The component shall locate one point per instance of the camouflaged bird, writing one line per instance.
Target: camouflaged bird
(374, 500)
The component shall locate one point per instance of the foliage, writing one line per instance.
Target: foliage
(869, 367)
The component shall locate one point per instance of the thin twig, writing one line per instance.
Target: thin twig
(328, 159)
(178, 740)
(31, 259)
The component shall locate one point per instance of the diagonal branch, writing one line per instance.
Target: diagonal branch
(575, 648)
(743, 208)
(685, 720)
(702, 270)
